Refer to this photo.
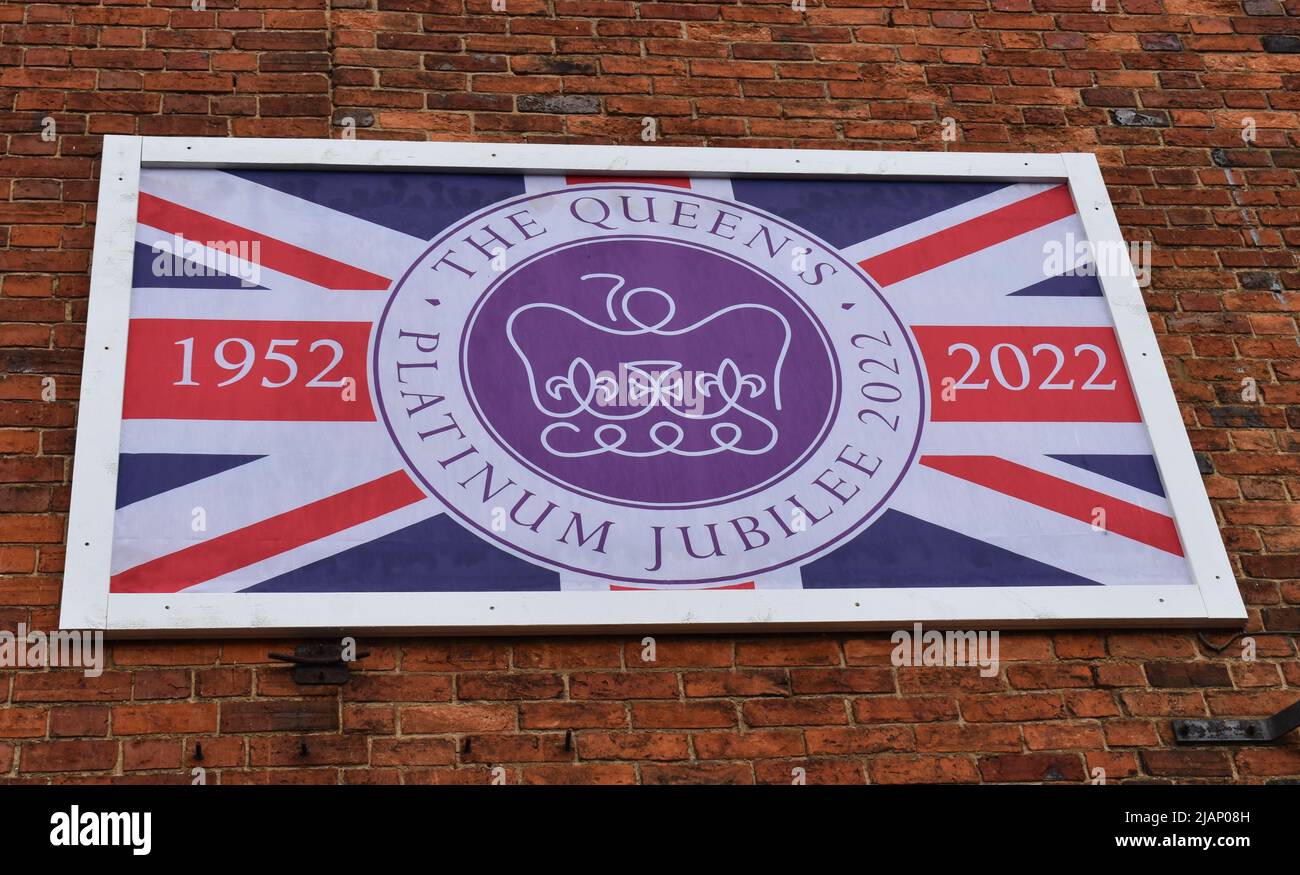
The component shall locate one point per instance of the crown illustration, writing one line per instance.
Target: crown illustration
(609, 388)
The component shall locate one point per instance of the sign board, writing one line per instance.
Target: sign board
(449, 387)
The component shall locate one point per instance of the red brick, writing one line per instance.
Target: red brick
(623, 685)
(737, 682)
(797, 651)
(69, 685)
(68, 756)
(572, 715)
(455, 655)
(568, 654)
(683, 715)
(1188, 763)
(459, 717)
(805, 771)
(1000, 709)
(372, 719)
(922, 770)
(839, 741)
(509, 686)
(397, 688)
(164, 718)
(307, 750)
(151, 754)
(1035, 767)
(680, 653)
(516, 749)
(795, 712)
(22, 722)
(888, 709)
(91, 720)
(214, 752)
(697, 773)
(600, 774)
(860, 680)
(748, 745)
(221, 682)
(279, 716)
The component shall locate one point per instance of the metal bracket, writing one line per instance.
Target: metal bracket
(1238, 731)
(316, 664)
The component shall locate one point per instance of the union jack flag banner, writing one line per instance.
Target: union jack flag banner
(501, 392)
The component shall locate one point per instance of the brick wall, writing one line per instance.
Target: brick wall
(1158, 89)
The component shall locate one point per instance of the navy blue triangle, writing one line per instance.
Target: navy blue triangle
(1067, 286)
(1138, 471)
(901, 551)
(419, 204)
(433, 555)
(144, 475)
(143, 275)
(843, 212)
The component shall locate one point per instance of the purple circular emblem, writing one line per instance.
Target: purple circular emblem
(649, 372)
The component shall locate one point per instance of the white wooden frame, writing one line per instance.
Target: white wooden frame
(1213, 600)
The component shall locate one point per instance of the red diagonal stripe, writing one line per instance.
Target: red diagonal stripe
(674, 181)
(275, 254)
(242, 547)
(1063, 497)
(970, 236)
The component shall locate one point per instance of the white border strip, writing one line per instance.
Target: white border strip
(103, 378)
(1193, 514)
(594, 613)
(289, 154)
